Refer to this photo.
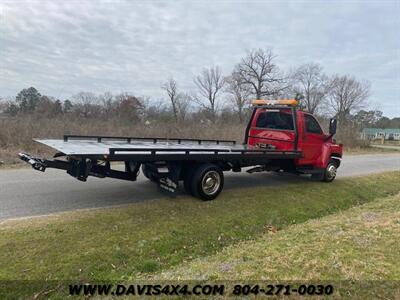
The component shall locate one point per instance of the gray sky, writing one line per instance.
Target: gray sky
(63, 47)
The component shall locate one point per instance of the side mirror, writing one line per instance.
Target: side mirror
(332, 126)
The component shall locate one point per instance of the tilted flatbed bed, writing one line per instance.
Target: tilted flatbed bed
(135, 148)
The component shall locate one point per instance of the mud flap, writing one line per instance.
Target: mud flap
(168, 184)
(169, 181)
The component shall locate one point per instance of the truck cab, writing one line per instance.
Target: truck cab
(278, 125)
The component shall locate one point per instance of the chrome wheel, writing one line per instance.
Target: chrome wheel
(331, 172)
(206, 181)
(211, 182)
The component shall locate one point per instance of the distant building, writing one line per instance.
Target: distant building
(379, 133)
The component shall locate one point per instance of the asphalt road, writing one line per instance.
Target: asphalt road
(26, 192)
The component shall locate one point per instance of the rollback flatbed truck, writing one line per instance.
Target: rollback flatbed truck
(279, 137)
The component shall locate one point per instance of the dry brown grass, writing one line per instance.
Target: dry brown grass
(16, 134)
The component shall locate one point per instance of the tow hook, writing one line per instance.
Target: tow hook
(36, 163)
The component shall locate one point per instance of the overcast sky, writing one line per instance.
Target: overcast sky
(63, 47)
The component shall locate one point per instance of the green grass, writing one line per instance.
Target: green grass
(360, 244)
(368, 150)
(130, 241)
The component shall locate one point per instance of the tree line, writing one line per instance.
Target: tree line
(255, 76)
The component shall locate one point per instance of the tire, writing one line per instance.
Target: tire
(330, 171)
(187, 182)
(148, 174)
(207, 182)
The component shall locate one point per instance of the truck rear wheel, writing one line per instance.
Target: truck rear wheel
(207, 182)
(330, 171)
(147, 174)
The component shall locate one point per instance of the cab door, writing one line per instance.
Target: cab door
(312, 140)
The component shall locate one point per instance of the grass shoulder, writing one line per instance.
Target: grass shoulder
(360, 243)
(126, 242)
(151, 236)
(369, 150)
(354, 250)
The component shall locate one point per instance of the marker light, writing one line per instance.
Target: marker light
(290, 102)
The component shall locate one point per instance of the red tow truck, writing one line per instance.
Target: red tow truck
(279, 137)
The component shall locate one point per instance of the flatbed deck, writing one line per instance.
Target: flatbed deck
(133, 148)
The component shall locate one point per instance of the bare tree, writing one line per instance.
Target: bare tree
(183, 104)
(3, 105)
(9, 106)
(48, 107)
(239, 94)
(311, 83)
(172, 90)
(128, 107)
(347, 95)
(210, 82)
(86, 104)
(107, 101)
(260, 74)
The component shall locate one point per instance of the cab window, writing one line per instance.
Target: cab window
(312, 125)
(275, 120)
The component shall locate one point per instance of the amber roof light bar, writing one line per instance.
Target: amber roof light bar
(289, 102)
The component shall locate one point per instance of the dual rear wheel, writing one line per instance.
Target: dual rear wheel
(204, 181)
